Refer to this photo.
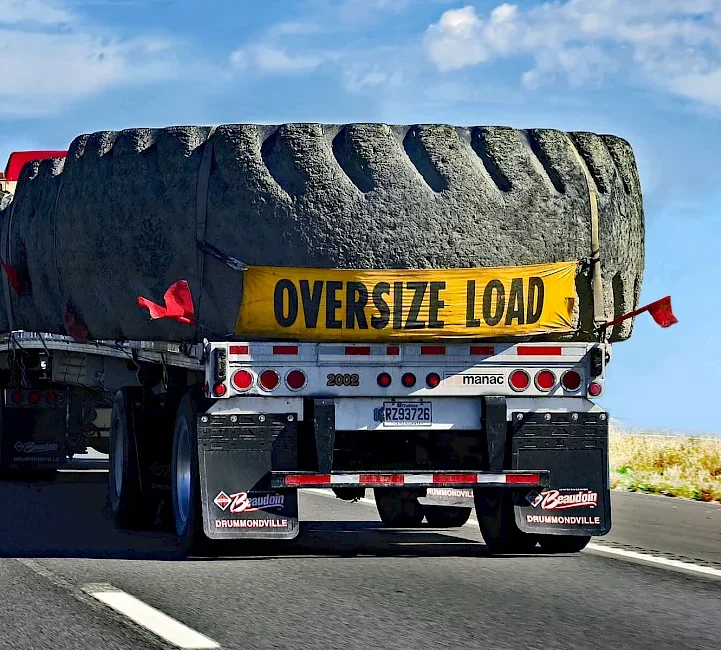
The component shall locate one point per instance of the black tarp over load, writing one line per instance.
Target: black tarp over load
(120, 217)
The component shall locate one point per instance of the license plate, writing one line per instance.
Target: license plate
(406, 414)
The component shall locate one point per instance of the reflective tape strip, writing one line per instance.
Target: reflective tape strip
(394, 480)
(344, 478)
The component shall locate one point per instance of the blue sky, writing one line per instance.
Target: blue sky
(647, 71)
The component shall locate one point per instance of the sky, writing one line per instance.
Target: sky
(648, 71)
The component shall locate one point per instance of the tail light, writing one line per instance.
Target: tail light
(50, 398)
(219, 390)
(269, 380)
(433, 379)
(295, 379)
(519, 380)
(571, 380)
(408, 380)
(34, 397)
(17, 397)
(545, 380)
(594, 389)
(242, 380)
(384, 380)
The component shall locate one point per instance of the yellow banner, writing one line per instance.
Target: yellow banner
(380, 305)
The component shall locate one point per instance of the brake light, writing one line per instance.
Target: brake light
(433, 379)
(17, 397)
(50, 398)
(384, 380)
(545, 380)
(219, 390)
(242, 380)
(408, 380)
(295, 379)
(34, 397)
(594, 389)
(269, 380)
(519, 380)
(571, 380)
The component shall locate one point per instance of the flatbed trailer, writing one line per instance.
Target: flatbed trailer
(214, 440)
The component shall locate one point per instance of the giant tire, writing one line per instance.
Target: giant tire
(496, 519)
(397, 508)
(446, 516)
(131, 509)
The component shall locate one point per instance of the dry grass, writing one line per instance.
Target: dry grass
(672, 465)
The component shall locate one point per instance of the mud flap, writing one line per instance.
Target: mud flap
(236, 454)
(443, 496)
(574, 447)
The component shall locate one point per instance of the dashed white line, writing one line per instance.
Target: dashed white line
(598, 549)
(151, 619)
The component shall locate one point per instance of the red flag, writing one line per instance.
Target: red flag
(75, 326)
(662, 313)
(15, 278)
(178, 304)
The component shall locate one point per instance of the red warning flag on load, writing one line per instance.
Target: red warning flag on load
(660, 311)
(178, 304)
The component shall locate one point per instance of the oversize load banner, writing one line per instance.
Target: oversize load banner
(347, 305)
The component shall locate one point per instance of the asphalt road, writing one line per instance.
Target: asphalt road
(350, 583)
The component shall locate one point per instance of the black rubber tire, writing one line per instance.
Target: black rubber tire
(446, 516)
(131, 509)
(189, 529)
(563, 543)
(496, 519)
(398, 509)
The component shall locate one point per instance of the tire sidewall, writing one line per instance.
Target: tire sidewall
(120, 419)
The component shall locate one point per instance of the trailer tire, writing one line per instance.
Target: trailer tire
(563, 543)
(496, 519)
(131, 510)
(446, 516)
(398, 509)
(185, 478)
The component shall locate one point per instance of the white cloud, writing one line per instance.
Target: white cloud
(675, 44)
(51, 58)
(270, 59)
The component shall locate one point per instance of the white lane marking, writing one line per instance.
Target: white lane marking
(151, 619)
(600, 549)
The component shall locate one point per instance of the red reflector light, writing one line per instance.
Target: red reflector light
(381, 479)
(307, 479)
(393, 350)
(219, 390)
(433, 349)
(50, 398)
(545, 380)
(269, 379)
(483, 350)
(34, 397)
(17, 397)
(242, 380)
(206, 388)
(571, 380)
(295, 379)
(594, 389)
(408, 380)
(453, 479)
(433, 379)
(285, 349)
(239, 349)
(519, 380)
(540, 350)
(384, 380)
(523, 478)
(354, 350)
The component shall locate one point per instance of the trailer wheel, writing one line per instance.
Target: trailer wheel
(397, 508)
(496, 519)
(563, 543)
(130, 508)
(185, 478)
(446, 516)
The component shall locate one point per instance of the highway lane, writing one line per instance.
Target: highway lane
(346, 583)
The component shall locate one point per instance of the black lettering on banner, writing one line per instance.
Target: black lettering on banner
(471, 320)
(536, 294)
(332, 304)
(356, 300)
(397, 305)
(494, 318)
(412, 322)
(282, 288)
(380, 321)
(436, 305)
(311, 301)
(515, 303)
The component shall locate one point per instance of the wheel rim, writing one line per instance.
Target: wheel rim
(182, 475)
(118, 454)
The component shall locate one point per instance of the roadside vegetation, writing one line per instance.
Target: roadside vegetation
(673, 465)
